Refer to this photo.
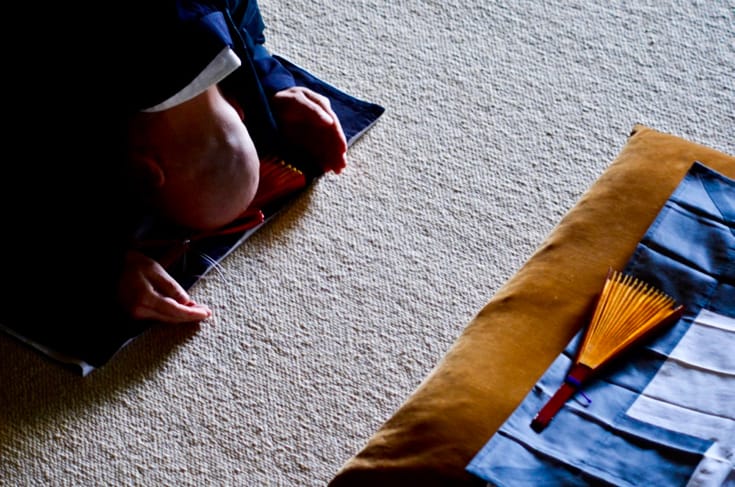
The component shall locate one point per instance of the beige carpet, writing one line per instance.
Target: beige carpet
(498, 117)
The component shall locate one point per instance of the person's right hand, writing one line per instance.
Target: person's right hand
(147, 292)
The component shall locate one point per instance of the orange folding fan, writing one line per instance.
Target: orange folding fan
(628, 310)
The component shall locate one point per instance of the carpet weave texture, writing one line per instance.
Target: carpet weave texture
(499, 115)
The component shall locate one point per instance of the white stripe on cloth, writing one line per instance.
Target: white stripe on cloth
(694, 393)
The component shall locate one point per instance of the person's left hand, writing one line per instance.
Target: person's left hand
(308, 123)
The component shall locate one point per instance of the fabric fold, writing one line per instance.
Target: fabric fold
(663, 416)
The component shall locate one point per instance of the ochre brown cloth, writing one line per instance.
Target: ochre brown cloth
(514, 338)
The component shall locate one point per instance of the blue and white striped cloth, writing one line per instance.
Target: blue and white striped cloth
(666, 417)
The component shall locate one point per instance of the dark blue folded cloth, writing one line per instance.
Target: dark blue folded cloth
(86, 347)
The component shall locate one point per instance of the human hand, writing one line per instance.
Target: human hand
(148, 292)
(308, 123)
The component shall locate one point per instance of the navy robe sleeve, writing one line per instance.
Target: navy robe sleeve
(273, 76)
(174, 41)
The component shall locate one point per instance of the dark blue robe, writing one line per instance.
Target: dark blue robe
(82, 68)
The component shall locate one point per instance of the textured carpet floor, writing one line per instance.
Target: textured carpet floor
(498, 117)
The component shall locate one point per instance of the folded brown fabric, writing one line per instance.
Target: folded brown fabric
(513, 339)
